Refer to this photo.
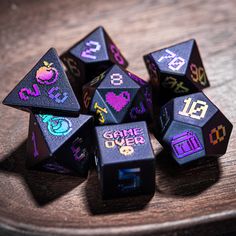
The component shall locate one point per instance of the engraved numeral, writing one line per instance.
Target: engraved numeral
(191, 110)
(24, 93)
(116, 79)
(173, 84)
(129, 179)
(92, 47)
(57, 96)
(86, 99)
(198, 74)
(36, 153)
(215, 136)
(97, 79)
(176, 63)
(115, 51)
(100, 111)
(72, 66)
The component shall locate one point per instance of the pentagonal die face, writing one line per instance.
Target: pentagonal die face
(178, 69)
(194, 128)
(118, 96)
(185, 142)
(195, 109)
(92, 55)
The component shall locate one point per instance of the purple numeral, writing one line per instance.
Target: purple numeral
(116, 53)
(91, 48)
(24, 93)
(138, 110)
(137, 79)
(56, 96)
(78, 153)
(185, 144)
(36, 153)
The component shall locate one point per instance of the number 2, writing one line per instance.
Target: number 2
(92, 47)
(24, 93)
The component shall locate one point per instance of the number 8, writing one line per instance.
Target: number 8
(116, 54)
(116, 79)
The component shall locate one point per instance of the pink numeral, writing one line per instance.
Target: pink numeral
(24, 93)
(115, 51)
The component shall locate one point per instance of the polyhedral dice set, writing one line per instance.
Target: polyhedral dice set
(109, 127)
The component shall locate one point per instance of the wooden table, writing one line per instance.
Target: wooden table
(196, 200)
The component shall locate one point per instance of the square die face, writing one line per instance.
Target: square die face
(123, 143)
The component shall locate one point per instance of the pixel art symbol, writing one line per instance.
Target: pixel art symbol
(118, 102)
(185, 144)
(57, 126)
(47, 74)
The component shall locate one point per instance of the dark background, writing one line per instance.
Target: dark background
(199, 199)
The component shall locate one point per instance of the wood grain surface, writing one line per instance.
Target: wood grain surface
(199, 199)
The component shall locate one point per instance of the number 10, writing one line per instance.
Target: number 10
(191, 111)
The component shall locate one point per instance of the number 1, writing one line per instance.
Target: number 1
(36, 153)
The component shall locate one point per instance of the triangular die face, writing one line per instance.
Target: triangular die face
(92, 48)
(117, 78)
(119, 101)
(176, 85)
(139, 109)
(75, 154)
(88, 93)
(45, 89)
(97, 80)
(51, 165)
(57, 130)
(137, 79)
(196, 72)
(75, 67)
(216, 134)
(114, 53)
(37, 149)
(96, 69)
(174, 59)
(103, 113)
(147, 96)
